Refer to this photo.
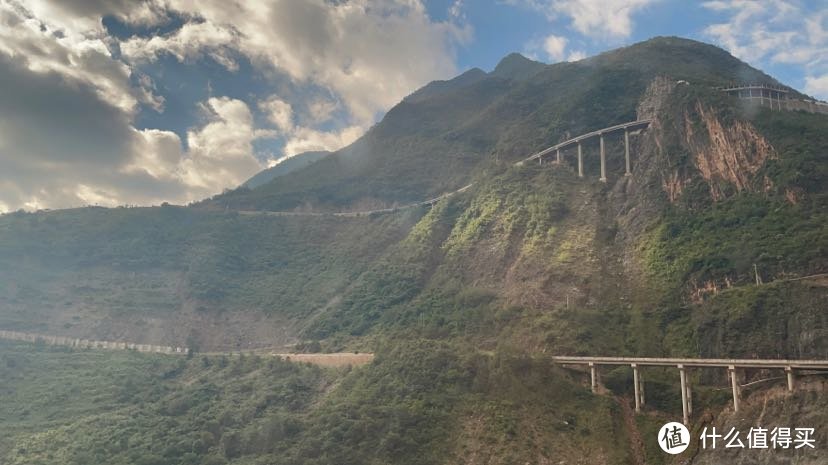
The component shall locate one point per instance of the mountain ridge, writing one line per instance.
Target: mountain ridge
(455, 137)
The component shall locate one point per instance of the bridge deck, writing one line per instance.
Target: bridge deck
(694, 362)
(628, 125)
(747, 87)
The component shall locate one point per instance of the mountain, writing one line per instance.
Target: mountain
(715, 246)
(284, 167)
(518, 67)
(436, 141)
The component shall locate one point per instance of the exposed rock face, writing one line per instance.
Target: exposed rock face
(726, 154)
(654, 97)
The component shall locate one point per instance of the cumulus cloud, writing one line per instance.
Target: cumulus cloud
(370, 53)
(66, 125)
(193, 41)
(45, 44)
(305, 139)
(278, 112)
(817, 85)
(603, 19)
(320, 110)
(68, 132)
(554, 46)
(62, 145)
(779, 31)
(219, 153)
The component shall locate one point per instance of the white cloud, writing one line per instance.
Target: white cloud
(555, 46)
(348, 59)
(96, 196)
(41, 35)
(321, 110)
(278, 112)
(191, 42)
(817, 86)
(306, 139)
(604, 19)
(303, 137)
(370, 53)
(64, 142)
(219, 154)
(456, 10)
(777, 31)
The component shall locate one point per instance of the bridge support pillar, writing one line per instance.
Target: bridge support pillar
(689, 400)
(789, 372)
(592, 380)
(540, 160)
(603, 161)
(685, 413)
(627, 152)
(636, 383)
(558, 156)
(580, 162)
(734, 383)
(641, 392)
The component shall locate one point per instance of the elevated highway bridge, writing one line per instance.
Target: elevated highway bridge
(682, 364)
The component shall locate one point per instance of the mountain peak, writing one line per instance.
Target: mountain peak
(516, 66)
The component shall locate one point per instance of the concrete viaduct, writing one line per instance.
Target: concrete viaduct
(774, 97)
(632, 127)
(732, 365)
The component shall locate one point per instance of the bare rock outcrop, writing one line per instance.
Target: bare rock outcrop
(726, 154)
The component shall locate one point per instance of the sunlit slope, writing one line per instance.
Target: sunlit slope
(717, 188)
(171, 274)
(435, 140)
(662, 262)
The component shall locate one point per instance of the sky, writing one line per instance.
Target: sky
(131, 102)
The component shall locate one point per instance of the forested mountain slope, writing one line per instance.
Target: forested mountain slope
(461, 302)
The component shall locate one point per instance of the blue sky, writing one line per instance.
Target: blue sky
(139, 102)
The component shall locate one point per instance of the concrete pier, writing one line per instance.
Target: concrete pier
(627, 152)
(788, 365)
(603, 161)
(789, 373)
(631, 126)
(641, 392)
(636, 382)
(580, 162)
(593, 381)
(689, 400)
(734, 383)
(685, 413)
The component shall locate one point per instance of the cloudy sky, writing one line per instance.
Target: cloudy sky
(114, 102)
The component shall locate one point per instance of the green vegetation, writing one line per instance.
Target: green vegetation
(129, 408)
(460, 302)
(151, 261)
